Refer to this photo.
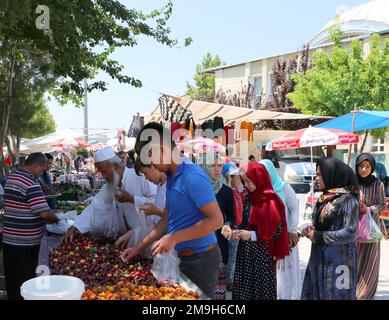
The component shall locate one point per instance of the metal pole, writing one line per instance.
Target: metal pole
(86, 134)
(352, 131)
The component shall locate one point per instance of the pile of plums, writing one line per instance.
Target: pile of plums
(99, 264)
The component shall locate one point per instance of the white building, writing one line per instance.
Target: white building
(358, 22)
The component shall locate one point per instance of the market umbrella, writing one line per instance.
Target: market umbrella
(200, 144)
(363, 120)
(71, 143)
(312, 137)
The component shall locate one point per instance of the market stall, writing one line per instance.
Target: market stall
(106, 277)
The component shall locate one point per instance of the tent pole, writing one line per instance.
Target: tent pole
(312, 179)
(352, 131)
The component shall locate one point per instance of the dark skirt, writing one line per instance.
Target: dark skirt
(255, 275)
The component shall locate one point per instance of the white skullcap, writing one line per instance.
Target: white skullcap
(104, 154)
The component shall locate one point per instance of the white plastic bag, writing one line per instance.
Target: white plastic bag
(145, 225)
(58, 228)
(115, 226)
(106, 220)
(166, 267)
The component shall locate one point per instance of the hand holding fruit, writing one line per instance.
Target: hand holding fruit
(362, 207)
(165, 244)
(311, 235)
(122, 242)
(124, 196)
(226, 231)
(151, 209)
(129, 253)
(70, 234)
(242, 235)
(307, 230)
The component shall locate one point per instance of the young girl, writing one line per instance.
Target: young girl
(263, 238)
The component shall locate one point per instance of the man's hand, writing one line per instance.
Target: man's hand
(226, 231)
(130, 253)
(293, 239)
(122, 242)
(49, 217)
(70, 234)
(150, 209)
(165, 244)
(124, 196)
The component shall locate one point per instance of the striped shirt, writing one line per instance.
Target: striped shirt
(23, 201)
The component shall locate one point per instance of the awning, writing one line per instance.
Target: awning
(202, 111)
(364, 120)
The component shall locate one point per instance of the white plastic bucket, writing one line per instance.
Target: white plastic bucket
(53, 288)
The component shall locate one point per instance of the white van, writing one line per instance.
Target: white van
(295, 166)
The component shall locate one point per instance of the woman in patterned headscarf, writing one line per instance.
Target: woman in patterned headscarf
(372, 195)
(332, 268)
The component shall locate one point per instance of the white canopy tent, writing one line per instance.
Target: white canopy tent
(202, 111)
(43, 144)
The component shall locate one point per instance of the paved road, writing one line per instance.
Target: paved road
(383, 284)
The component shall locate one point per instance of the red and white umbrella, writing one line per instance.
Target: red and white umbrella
(71, 143)
(312, 137)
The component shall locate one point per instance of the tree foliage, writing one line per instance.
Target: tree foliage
(344, 79)
(76, 38)
(204, 87)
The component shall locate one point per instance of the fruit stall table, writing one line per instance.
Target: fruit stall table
(105, 276)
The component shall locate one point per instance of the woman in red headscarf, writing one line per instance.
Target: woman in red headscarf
(263, 238)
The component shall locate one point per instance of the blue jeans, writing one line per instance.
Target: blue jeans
(230, 267)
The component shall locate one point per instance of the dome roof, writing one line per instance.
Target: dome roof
(364, 19)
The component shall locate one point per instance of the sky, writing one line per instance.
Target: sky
(238, 31)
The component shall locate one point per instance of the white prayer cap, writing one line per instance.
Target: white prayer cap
(104, 154)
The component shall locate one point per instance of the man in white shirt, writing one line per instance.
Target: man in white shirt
(123, 186)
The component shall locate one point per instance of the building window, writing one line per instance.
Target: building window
(378, 145)
(257, 91)
(269, 86)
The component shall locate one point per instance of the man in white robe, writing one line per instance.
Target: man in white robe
(123, 186)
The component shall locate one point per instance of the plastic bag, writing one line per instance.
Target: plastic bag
(143, 228)
(115, 226)
(369, 227)
(106, 220)
(363, 229)
(58, 228)
(166, 267)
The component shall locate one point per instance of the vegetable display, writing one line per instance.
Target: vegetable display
(69, 191)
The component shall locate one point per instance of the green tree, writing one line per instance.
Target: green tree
(345, 79)
(204, 87)
(78, 38)
(30, 121)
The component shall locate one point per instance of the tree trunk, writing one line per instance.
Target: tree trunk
(17, 148)
(7, 108)
(365, 135)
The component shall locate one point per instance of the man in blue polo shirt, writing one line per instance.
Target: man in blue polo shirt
(191, 216)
